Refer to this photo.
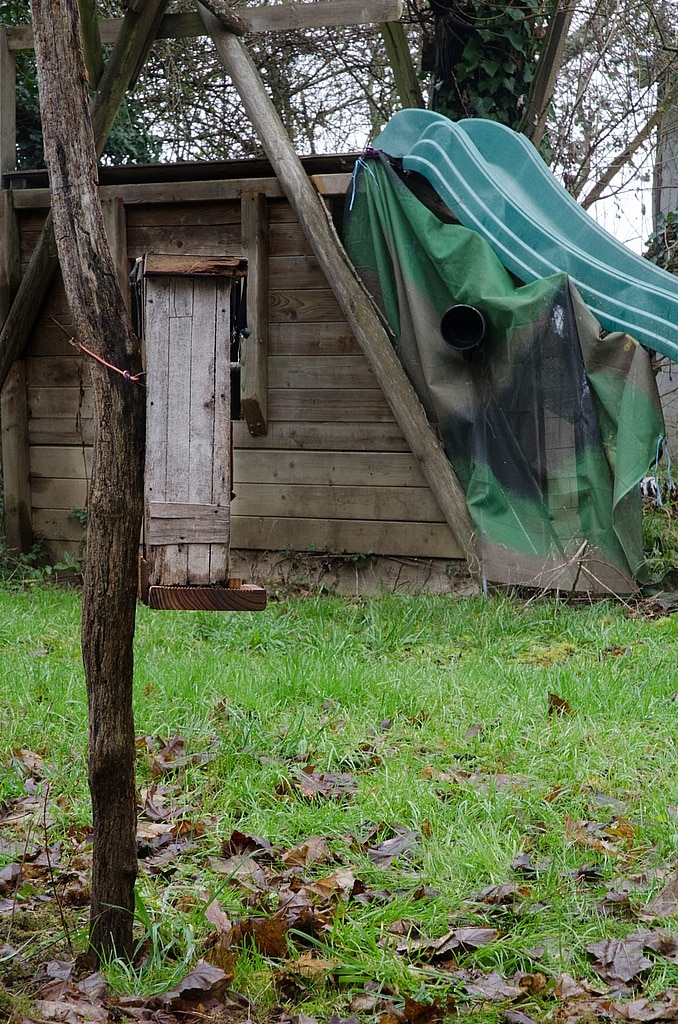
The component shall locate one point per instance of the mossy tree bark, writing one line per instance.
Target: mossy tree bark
(102, 324)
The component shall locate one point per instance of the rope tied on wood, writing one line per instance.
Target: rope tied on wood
(133, 377)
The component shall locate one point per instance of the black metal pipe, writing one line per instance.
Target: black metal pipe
(462, 327)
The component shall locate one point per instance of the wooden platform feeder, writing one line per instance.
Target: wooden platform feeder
(187, 326)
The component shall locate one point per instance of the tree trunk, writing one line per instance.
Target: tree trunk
(665, 183)
(103, 325)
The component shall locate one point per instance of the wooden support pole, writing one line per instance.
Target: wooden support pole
(15, 460)
(115, 222)
(10, 269)
(7, 104)
(254, 357)
(400, 59)
(91, 41)
(134, 40)
(356, 303)
(533, 121)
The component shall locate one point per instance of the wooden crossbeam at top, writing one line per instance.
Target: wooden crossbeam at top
(276, 18)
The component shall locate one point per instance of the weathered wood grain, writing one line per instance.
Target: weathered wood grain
(370, 502)
(327, 468)
(327, 338)
(331, 372)
(285, 18)
(16, 460)
(69, 462)
(327, 436)
(434, 540)
(7, 104)
(315, 404)
(188, 460)
(303, 306)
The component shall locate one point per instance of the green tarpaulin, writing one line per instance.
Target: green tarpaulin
(550, 423)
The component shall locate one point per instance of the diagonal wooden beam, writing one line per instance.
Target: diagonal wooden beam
(533, 121)
(400, 59)
(134, 41)
(357, 305)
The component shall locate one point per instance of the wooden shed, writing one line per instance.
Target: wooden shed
(322, 467)
(334, 464)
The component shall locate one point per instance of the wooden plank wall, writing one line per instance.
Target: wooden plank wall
(333, 472)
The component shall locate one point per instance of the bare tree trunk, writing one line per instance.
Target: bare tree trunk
(665, 183)
(115, 501)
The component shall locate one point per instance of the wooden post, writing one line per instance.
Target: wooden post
(353, 298)
(7, 105)
(254, 358)
(15, 460)
(115, 222)
(10, 269)
(91, 40)
(400, 59)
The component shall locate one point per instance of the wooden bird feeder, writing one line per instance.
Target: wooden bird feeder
(187, 327)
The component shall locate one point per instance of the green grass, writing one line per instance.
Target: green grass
(428, 704)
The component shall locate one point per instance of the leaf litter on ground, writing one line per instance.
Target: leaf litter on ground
(284, 901)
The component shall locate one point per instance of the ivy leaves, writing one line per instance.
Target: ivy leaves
(485, 57)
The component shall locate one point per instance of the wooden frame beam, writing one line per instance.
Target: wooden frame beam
(278, 18)
(357, 305)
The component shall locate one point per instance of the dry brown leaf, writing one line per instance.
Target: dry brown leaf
(518, 1017)
(340, 883)
(665, 902)
(311, 851)
(205, 985)
(493, 988)
(218, 917)
(663, 1008)
(329, 785)
(312, 967)
(385, 852)
(442, 948)
(269, 934)
(568, 988)
(619, 959)
(558, 705)
(9, 877)
(242, 843)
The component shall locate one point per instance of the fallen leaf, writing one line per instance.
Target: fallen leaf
(619, 959)
(330, 785)
(568, 988)
(518, 1017)
(204, 983)
(384, 853)
(494, 988)
(464, 938)
(269, 934)
(665, 902)
(663, 1008)
(243, 843)
(311, 851)
(558, 705)
(9, 876)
